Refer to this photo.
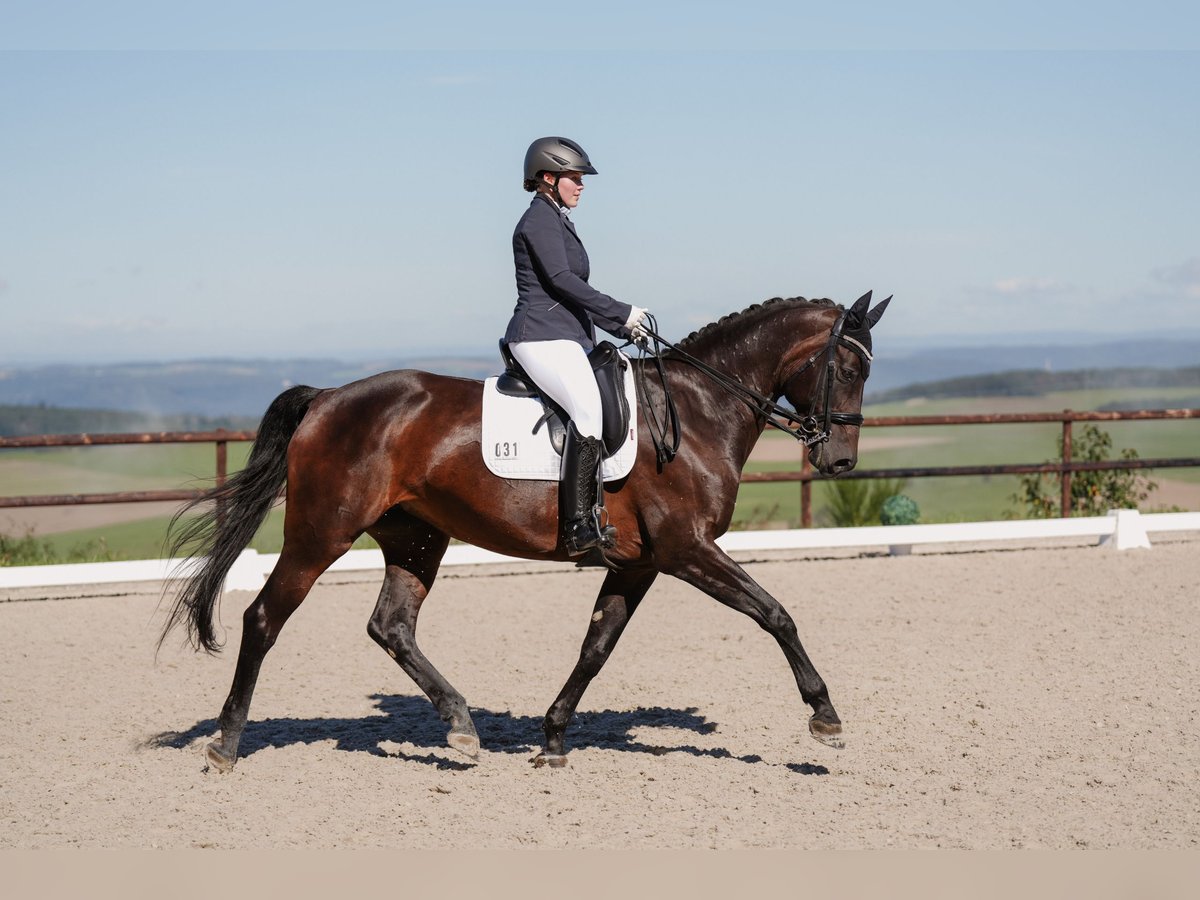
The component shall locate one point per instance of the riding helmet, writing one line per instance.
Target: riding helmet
(556, 154)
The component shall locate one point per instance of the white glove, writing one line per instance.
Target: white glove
(635, 323)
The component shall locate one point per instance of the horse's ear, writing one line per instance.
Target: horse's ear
(856, 312)
(874, 315)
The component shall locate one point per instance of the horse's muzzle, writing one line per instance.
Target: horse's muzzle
(828, 463)
(840, 466)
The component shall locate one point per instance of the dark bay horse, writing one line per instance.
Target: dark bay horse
(397, 456)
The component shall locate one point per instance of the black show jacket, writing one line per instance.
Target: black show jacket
(554, 299)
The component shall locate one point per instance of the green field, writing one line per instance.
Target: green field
(970, 498)
(103, 469)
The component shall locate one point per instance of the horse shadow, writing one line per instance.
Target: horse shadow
(411, 720)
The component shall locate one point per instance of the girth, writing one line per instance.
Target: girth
(609, 367)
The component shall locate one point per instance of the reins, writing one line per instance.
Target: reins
(806, 429)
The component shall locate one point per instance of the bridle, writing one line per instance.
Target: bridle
(809, 430)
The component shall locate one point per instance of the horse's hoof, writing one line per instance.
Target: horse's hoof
(553, 760)
(218, 760)
(465, 743)
(828, 733)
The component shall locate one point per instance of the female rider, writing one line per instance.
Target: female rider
(553, 327)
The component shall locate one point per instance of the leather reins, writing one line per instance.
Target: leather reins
(807, 429)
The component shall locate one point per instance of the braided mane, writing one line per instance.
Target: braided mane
(708, 329)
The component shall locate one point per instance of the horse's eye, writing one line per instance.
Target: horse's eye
(847, 374)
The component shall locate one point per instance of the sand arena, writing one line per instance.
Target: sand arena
(994, 697)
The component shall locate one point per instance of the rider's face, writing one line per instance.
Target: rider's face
(570, 186)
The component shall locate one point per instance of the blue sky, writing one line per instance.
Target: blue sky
(341, 180)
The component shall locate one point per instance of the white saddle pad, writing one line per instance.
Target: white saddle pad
(512, 450)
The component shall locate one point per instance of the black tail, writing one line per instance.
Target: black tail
(235, 510)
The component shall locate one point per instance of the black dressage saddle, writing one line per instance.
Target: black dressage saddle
(609, 367)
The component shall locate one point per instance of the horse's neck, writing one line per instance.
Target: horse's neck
(721, 415)
(753, 353)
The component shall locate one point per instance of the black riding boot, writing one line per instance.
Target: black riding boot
(578, 512)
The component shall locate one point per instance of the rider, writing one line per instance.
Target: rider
(553, 327)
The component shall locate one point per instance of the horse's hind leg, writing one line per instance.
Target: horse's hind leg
(284, 591)
(619, 597)
(412, 551)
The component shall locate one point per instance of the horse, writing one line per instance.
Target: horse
(397, 456)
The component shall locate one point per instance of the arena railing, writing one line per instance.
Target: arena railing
(221, 438)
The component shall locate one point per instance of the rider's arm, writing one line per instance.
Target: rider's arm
(544, 236)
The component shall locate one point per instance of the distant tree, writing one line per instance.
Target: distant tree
(1035, 382)
(1092, 493)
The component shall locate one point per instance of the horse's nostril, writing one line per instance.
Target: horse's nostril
(843, 465)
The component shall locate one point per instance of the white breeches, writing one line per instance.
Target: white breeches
(561, 369)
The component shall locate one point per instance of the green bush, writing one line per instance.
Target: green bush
(32, 551)
(24, 551)
(1092, 493)
(899, 510)
(859, 502)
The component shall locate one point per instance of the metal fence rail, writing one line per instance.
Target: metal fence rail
(806, 476)
(221, 438)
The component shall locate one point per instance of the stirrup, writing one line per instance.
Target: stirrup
(587, 533)
(595, 541)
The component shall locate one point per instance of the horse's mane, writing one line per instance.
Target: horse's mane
(718, 325)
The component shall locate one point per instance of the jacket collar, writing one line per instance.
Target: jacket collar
(563, 212)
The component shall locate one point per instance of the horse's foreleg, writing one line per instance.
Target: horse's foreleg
(284, 591)
(412, 564)
(619, 597)
(720, 577)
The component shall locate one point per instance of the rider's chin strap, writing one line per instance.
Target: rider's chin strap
(553, 192)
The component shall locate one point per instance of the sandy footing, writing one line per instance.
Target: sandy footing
(1003, 698)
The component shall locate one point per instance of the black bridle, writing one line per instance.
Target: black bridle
(809, 430)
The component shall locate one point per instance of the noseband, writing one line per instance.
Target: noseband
(809, 430)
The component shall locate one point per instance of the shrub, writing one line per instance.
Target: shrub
(899, 510)
(25, 551)
(29, 550)
(1092, 493)
(859, 501)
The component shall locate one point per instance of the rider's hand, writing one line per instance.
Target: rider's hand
(636, 323)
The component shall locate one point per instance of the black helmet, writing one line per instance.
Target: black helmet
(556, 154)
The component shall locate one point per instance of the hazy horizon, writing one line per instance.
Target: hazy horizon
(886, 346)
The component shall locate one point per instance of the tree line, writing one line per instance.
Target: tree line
(1035, 382)
(20, 421)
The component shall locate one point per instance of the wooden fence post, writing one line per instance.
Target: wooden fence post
(805, 493)
(1066, 460)
(222, 467)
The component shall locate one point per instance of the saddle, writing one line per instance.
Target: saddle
(608, 365)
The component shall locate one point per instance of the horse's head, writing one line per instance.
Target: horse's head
(828, 388)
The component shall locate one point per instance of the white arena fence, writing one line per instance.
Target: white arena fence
(1123, 529)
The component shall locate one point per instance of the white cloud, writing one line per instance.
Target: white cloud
(1184, 277)
(1027, 286)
